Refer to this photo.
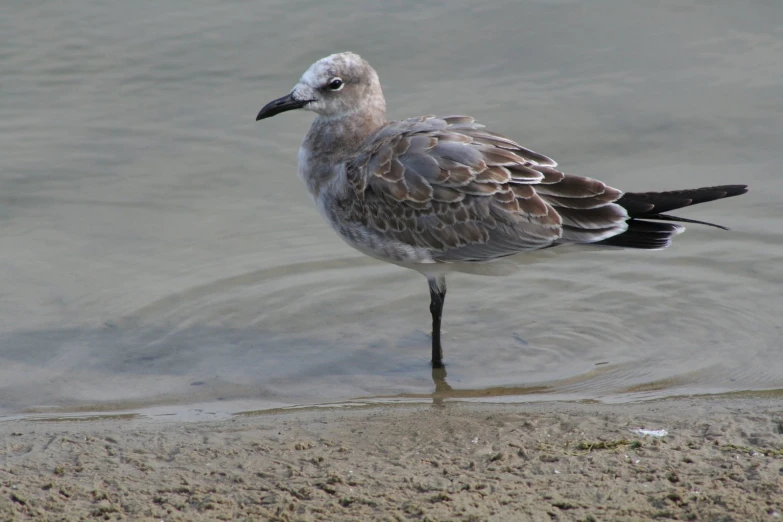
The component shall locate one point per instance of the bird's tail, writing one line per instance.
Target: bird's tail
(647, 209)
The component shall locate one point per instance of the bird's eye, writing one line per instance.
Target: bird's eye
(335, 84)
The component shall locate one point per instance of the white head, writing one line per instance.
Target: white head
(334, 87)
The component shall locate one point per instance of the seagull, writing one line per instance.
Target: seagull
(441, 194)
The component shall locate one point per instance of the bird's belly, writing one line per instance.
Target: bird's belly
(374, 244)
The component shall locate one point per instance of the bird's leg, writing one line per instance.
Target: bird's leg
(437, 297)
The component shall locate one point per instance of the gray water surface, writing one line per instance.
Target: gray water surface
(158, 250)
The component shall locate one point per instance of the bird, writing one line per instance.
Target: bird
(442, 194)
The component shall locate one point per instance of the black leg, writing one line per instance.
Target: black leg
(437, 297)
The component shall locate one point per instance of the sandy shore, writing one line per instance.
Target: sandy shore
(722, 460)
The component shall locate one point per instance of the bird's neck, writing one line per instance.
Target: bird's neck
(340, 137)
(331, 142)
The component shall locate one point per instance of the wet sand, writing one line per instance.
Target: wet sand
(721, 460)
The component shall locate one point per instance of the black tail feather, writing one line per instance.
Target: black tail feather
(643, 206)
(644, 234)
(668, 217)
(648, 204)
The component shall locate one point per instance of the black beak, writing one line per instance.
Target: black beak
(286, 103)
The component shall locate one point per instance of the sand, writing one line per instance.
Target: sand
(722, 460)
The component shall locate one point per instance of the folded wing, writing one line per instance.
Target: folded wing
(467, 194)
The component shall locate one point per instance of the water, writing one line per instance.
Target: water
(158, 251)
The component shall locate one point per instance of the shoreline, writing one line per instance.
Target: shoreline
(455, 460)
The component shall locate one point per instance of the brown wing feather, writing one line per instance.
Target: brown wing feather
(468, 194)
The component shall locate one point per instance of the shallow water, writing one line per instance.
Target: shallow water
(157, 250)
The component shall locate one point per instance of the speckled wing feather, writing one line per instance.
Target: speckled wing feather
(467, 194)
